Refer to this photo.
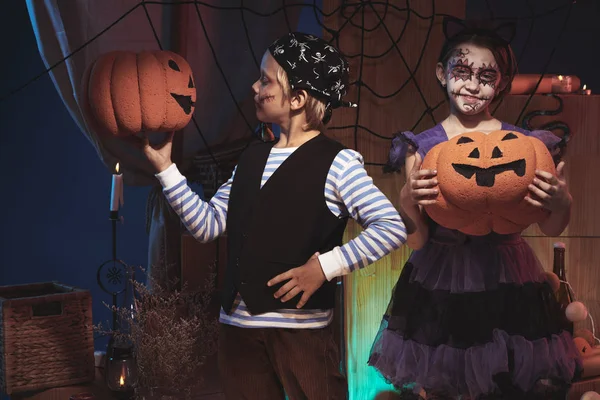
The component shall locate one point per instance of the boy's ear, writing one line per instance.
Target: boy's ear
(298, 99)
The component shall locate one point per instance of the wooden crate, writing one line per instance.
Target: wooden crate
(46, 337)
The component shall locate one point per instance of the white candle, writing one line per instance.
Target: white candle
(585, 90)
(116, 191)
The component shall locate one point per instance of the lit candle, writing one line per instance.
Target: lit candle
(116, 192)
(561, 84)
(122, 381)
(585, 90)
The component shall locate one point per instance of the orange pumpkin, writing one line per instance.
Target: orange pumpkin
(483, 180)
(151, 91)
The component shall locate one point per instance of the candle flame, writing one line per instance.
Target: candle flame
(117, 168)
(122, 380)
(584, 87)
(560, 77)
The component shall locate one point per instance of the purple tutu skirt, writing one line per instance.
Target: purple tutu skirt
(474, 316)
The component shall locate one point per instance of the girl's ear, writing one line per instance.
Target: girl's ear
(504, 81)
(440, 73)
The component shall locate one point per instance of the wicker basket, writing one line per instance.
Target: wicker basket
(46, 337)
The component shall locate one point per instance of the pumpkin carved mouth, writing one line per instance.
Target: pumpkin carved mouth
(185, 102)
(486, 176)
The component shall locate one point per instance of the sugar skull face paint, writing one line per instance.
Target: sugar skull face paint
(471, 77)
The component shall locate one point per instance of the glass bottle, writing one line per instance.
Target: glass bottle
(563, 294)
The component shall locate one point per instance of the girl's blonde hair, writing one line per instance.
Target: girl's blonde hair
(314, 108)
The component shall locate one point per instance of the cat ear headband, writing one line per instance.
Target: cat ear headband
(503, 32)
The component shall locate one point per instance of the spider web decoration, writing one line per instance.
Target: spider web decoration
(348, 25)
(212, 166)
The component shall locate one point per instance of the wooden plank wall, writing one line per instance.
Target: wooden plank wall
(582, 160)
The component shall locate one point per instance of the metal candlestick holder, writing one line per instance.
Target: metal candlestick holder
(117, 270)
(120, 370)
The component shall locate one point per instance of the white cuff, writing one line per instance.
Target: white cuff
(332, 264)
(169, 177)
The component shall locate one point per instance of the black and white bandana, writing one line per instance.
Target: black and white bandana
(314, 65)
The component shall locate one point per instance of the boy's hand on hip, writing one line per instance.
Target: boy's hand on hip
(306, 278)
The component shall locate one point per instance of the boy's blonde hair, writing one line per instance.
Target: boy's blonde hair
(314, 108)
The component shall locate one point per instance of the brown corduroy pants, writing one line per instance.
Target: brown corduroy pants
(269, 363)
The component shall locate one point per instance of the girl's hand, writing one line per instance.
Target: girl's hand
(550, 192)
(421, 186)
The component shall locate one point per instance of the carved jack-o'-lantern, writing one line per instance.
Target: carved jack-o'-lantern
(151, 91)
(483, 180)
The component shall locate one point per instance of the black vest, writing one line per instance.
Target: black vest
(280, 226)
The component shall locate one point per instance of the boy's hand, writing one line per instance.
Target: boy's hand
(306, 278)
(158, 154)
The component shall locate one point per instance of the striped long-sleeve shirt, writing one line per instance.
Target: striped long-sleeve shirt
(349, 191)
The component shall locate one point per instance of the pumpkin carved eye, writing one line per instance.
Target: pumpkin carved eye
(173, 65)
(509, 136)
(465, 139)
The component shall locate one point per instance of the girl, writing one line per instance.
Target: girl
(472, 317)
(285, 209)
